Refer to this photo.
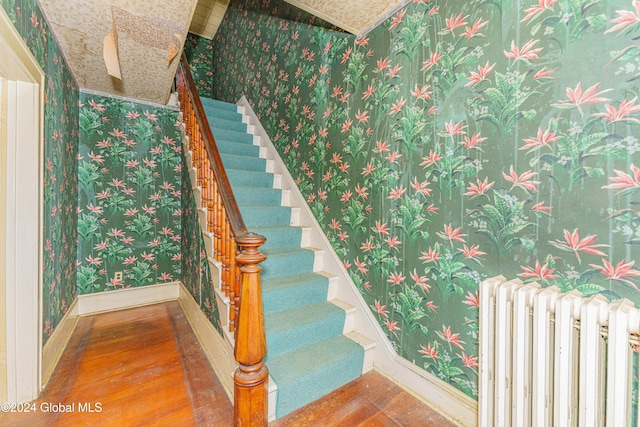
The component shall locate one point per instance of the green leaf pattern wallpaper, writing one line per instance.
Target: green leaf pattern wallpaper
(196, 274)
(457, 141)
(60, 165)
(129, 204)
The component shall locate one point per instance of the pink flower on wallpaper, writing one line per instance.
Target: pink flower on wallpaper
(397, 107)
(396, 278)
(367, 246)
(431, 254)
(526, 53)
(421, 187)
(95, 209)
(626, 19)
(432, 159)
(481, 75)
(480, 188)
(450, 234)
(473, 142)
(362, 192)
(534, 11)
(381, 228)
(397, 19)
(360, 265)
(382, 65)
(452, 129)
(422, 92)
(130, 260)
(450, 337)
(523, 181)
(469, 361)
(472, 252)
(577, 98)
(454, 22)
(573, 243)
(541, 208)
(392, 326)
(99, 107)
(624, 181)
(542, 139)
(621, 114)
(397, 192)
(430, 351)
(420, 280)
(619, 272)
(370, 91)
(473, 301)
(543, 73)
(381, 309)
(539, 272)
(434, 58)
(93, 261)
(471, 32)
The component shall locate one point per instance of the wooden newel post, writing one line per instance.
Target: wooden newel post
(250, 379)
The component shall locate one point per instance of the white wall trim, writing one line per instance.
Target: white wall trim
(57, 342)
(127, 298)
(218, 350)
(443, 397)
(23, 251)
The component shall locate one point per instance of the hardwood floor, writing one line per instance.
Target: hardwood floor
(144, 366)
(141, 366)
(371, 401)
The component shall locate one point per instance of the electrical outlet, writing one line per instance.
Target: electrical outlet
(118, 276)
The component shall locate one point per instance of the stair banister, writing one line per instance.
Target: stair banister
(234, 245)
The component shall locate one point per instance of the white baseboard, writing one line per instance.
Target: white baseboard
(127, 298)
(218, 350)
(57, 342)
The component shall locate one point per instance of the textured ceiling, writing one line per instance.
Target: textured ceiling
(354, 16)
(131, 48)
(149, 35)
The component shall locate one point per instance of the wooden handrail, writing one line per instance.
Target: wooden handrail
(236, 249)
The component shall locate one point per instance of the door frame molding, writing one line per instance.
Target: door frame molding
(24, 142)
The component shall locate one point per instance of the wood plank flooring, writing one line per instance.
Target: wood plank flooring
(372, 401)
(144, 366)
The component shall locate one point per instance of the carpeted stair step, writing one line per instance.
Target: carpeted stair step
(261, 216)
(234, 161)
(301, 326)
(307, 374)
(280, 237)
(221, 105)
(284, 293)
(285, 262)
(257, 196)
(231, 135)
(223, 123)
(241, 149)
(249, 178)
(222, 113)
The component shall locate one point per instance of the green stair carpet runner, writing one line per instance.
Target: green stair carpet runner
(308, 356)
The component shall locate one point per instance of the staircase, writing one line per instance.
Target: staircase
(309, 354)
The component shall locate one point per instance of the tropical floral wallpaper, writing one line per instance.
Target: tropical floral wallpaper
(457, 141)
(130, 199)
(60, 165)
(196, 273)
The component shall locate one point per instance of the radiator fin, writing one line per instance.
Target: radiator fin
(549, 358)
